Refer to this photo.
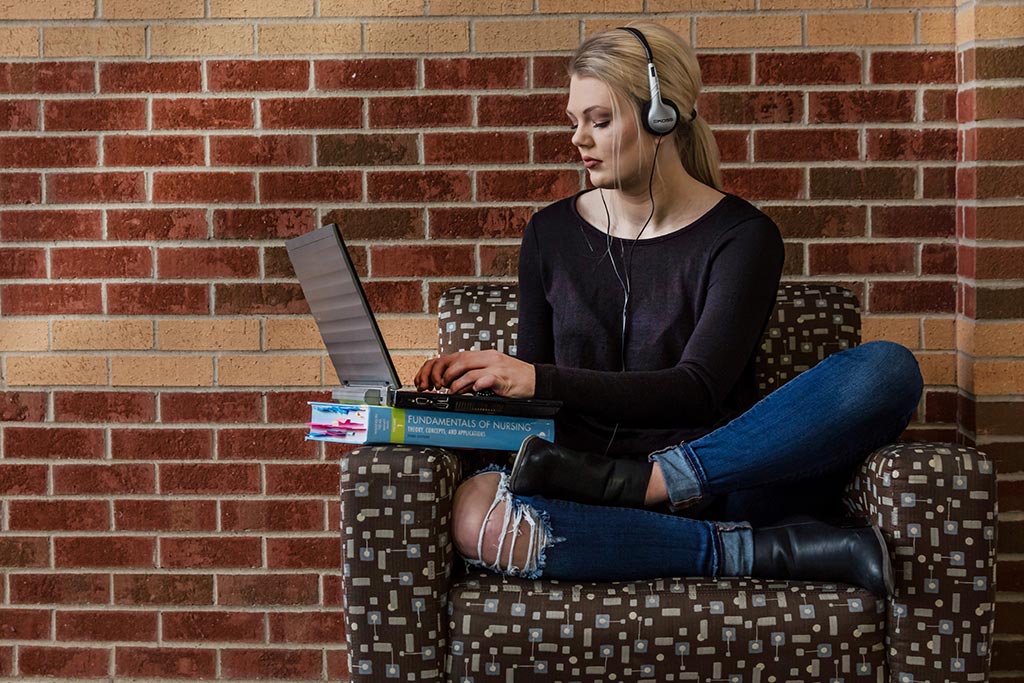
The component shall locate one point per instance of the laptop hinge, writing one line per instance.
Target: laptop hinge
(371, 393)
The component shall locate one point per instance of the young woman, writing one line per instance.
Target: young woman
(642, 305)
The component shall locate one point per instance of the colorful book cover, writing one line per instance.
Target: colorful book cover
(362, 424)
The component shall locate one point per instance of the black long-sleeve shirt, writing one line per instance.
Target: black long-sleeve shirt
(700, 299)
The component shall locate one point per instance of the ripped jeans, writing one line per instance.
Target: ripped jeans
(793, 451)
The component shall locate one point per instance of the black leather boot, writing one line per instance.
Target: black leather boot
(803, 548)
(542, 468)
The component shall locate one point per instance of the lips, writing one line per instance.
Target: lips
(590, 162)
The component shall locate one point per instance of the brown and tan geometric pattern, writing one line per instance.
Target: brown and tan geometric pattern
(416, 611)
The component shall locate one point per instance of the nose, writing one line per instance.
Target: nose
(580, 138)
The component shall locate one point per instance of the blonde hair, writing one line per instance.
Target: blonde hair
(618, 60)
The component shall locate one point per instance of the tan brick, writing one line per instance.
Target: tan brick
(526, 36)
(937, 368)
(19, 42)
(811, 4)
(47, 9)
(965, 372)
(697, 5)
(208, 335)
(590, 6)
(417, 36)
(998, 21)
(104, 41)
(150, 9)
(913, 4)
(937, 28)
(680, 25)
(765, 30)
(864, 28)
(24, 335)
(101, 335)
(998, 339)
(939, 333)
(409, 333)
(481, 8)
(371, 8)
(304, 39)
(406, 365)
(291, 333)
(56, 370)
(201, 39)
(267, 370)
(965, 335)
(998, 377)
(161, 371)
(964, 25)
(257, 9)
(900, 330)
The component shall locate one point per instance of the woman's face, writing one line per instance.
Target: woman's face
(596, 134)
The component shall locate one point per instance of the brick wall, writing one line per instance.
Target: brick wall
(162, 516)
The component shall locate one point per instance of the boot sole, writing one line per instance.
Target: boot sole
(888, 578)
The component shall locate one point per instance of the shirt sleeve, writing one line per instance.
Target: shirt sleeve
(535, 342)
(744, 274)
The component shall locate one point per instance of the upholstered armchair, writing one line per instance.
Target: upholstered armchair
(415, 611)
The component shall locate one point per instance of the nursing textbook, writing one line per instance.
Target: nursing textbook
(367, 424)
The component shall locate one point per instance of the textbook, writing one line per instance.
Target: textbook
(366, 424)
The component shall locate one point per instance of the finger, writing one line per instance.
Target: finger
(466, 381)
(438, 368)
(467, 360)
(423, 376)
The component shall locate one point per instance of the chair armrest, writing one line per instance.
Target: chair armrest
(396, 515)
(936, 506)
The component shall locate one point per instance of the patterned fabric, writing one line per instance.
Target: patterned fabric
(414, 611)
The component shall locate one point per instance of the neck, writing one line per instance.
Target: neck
(676, 193)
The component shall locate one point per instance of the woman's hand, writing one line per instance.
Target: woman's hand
(476, 370)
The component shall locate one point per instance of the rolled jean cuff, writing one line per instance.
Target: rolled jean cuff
(684, 479)
(736, 557)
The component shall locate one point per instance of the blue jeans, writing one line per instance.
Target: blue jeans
(793, 451)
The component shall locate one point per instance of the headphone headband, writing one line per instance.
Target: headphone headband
(658, 116)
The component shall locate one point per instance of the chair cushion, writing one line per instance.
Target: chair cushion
(674, 629)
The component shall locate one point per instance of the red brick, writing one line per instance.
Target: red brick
(912, 221)
(106, 114)
(724, 69)
(24, 552)
(397, 261)
(101, 262)
(19, 115)
(913, 67)
(819, 221)
(377, 223)
(288, 406)
(997, 182)
(475, 148)
(81, 188)
(157, 299)
(103, 479)
(267, 589)
(64, 589)
(212, 263)
(51, 299)
(939, 183)
(145, 662)
(24, 624)
(860, 259)
(491, 73)
(264, 663)
(940, 105)
(305, 553)
(744, 107)
(106, 625)
(50, 225)
(262, 223)
(163, 589)
(143, 77)
(394, 297)
(153, 150)
(940, 406)
(504, 222)
(58, 443)
(375, 149)
(203, 187)
(202, 113)
(255, 299)
(966, 105)
(902, 144)
(998, 62)
(938, 259)
(203, 478)
(733, 145)
(22, 263)
(46, 77)
(307, 627)
(22, 480)
(202, 553)
(550, 72)
(365, 74)
(265, 444)
(499, 260)
(333, 590)
(428, 111)
(305, 480)
(222, 406)
(857, 106)
(999, 263)
(337, 665)
(161, 444)
(264, 74)
(59, 515)
(764, 183)
(48, 152)
(311, 112)
(263, 150)
(104, 406)
(522, 110)
(311, 186)
(165, 515)
(104, 551)
(806, 68)
(526, 185)
(23, 406)
(277, 265)
(912, 297)
(20, 188)
(862, 183)
(418, 186)
(554, 148)
(156, 224)
(272, 515)
(65, 663)
(220, 627)
(805, 145)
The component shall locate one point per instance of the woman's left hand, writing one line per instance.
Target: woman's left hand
(476, 370)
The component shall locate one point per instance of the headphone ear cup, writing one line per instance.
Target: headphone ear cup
(668, 110)
(645, 117)
(675, 110)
